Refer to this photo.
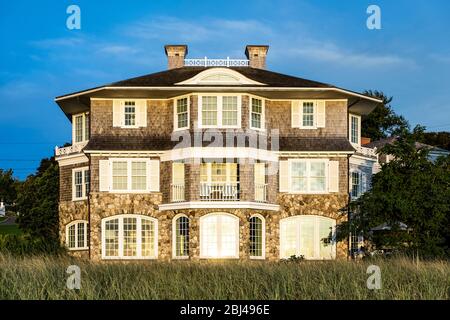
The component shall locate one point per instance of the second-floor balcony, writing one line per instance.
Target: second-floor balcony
(73, 149)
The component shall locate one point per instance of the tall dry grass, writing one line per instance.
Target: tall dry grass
(43, 277)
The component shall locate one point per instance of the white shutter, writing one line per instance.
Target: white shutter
(333, 176)
(104, 175)
(178, 173)
(296, 114)
(141, 113)
(284, 176)
(73, 129)
(153, 175)
(117, 113)
(260, 173)
(320, 112)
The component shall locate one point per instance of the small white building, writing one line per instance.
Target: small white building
(2, 209)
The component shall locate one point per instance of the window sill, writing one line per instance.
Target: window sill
(129, 258)
(257, 258)
(181, 258)
(79, 199)
(78, 249)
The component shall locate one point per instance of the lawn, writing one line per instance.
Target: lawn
(45, 278)
(10, 229)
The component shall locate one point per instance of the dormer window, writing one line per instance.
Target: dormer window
(80, 127)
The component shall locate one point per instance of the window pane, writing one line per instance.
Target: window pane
(325, 229)
(130, 113)
(71, 243)
(129, 237)
(112, 238)
(120, 175)
(229, 111)
(86, 127)
(182, 237)
(228, 235)
(355, 184)
(354, 130)
(87, 181)
(298, 176)
(79, 128)
(288, 238)
(78, 184)
(317, 176)
(256, 237)
(81, 235)
(209, 111)
(210, 241)
(182, 113)
(256, 113)
(308, 114)
(139, 175)
(307, 237)
(148, 238)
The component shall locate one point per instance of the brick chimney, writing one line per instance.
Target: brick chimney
(175, 55)
(256, 54)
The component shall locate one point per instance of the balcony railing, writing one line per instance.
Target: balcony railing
(177, 192)
(260, 192)
(75, 148)
(369, 152)
(219, 191)
(205, 62)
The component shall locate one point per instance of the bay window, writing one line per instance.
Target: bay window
(129, 236)
(219, 111)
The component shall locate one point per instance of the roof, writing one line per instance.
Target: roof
(160, 143)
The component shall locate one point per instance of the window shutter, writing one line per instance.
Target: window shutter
(295, 114)
(117, 113)
(260, 173)
(104, 175)
(153, 175)
(320, 122)
(333, 176)
(141, 113)
(178, 173)
(284, 176)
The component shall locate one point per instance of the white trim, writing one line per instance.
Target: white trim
(235, 89)
(298, 240)
(111, 153)
(263, 113)
(83, 184)
(219, 97)
(239, 78)
(175, 114)
(139, 219)
(236, 222)
(219, 152)
(263, 238)
(219, 205)
(76, 222)
(71, 159)
(308, 164)
(174, 240)
(309, 154)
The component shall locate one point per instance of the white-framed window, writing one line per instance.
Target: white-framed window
(308, 114)
(129, 175)
(310, 236)
(219, 111)
(80, 183)
(80, 127)
(180, 239)
(76, 235)
(355, 129)
(219, 236)
(308, 175)
(211, 172)
(257, 237)
(181, 113)
(129, 113)
(257, 110)
(129, 236)
(358, 183)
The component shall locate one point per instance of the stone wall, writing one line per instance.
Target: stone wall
(70, 211)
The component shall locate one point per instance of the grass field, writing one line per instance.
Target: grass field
(10, 229)
(45, 278)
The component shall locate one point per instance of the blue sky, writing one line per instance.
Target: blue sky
(409, 58)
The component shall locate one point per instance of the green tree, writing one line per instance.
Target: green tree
(411, 190)
(37, 202)
(438, 139)
(382, 122)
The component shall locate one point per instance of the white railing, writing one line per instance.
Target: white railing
(205, 62)
(260, 192)
(76, 148)
(219, 191)
(369, 152)
(177, 192)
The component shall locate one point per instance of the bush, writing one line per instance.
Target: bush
(15, 244)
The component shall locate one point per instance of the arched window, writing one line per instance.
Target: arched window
(180, 239)
(219, 236)
(129, 236)
(76, 235)
(307, 236)
(257, 237)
